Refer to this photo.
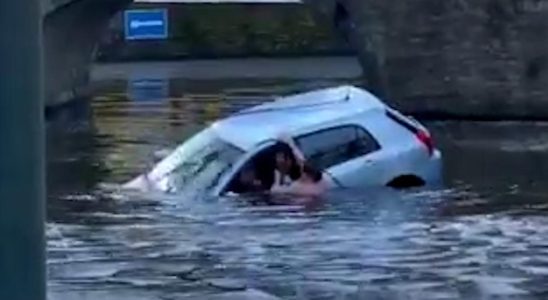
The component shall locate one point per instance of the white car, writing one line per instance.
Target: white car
(345, 131)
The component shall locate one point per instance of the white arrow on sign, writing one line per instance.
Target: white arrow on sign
(136, 24)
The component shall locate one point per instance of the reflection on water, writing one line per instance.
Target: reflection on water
(482, 237)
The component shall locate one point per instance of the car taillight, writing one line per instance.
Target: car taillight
(410, 124)
(426, 139)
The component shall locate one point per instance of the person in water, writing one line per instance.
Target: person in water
(248, 182)
(310, 183)
(293, 175)
(288, 161)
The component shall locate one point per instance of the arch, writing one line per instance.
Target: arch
(406, 181)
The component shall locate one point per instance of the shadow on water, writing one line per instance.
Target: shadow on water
(482, 236)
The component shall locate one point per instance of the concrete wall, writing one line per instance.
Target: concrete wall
(49, 6)
(228, 30)
(464, 58)
(70, 35)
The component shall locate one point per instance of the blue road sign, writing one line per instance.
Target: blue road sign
(143, 24)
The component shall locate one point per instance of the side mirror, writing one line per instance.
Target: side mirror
(141, 182)
(154, 158)
(158, 155)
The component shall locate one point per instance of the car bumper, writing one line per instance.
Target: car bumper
(433, 170)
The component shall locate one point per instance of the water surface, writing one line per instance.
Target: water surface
(482, 236)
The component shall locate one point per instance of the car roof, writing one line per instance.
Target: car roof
(251, 126)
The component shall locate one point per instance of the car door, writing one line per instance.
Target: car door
(244, 160)
(348, 153)
(361, 171)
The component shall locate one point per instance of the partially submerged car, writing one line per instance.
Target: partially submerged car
(345, 131)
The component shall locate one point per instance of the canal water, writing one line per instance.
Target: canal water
(481, 236)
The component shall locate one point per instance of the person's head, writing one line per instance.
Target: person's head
(284, 159)
(311, 174)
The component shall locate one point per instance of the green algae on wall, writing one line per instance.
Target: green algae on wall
(228, 30)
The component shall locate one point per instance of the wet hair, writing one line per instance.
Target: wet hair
(285, 149)
(312, 172)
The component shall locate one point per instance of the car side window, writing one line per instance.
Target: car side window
(329, 147)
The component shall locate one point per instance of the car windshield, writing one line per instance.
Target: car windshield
(197, 164)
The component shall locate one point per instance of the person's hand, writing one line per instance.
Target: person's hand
(285, 137)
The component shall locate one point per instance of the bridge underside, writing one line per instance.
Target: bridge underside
(71, 32)
(466, 58)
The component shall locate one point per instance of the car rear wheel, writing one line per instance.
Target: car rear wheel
(405, 182)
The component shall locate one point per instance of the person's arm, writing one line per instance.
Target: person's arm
(280, 189)
(299, 190)
(276, 184)
(299, 156)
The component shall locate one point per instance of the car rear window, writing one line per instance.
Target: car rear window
(329, 147)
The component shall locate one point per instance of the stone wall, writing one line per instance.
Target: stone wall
(227, 30)
(463, 58)
(70, 33)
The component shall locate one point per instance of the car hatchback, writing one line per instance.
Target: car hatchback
(345, 131)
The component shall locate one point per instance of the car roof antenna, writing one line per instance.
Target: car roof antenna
(347, 98)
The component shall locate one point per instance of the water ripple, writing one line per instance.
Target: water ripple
(472, 240)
